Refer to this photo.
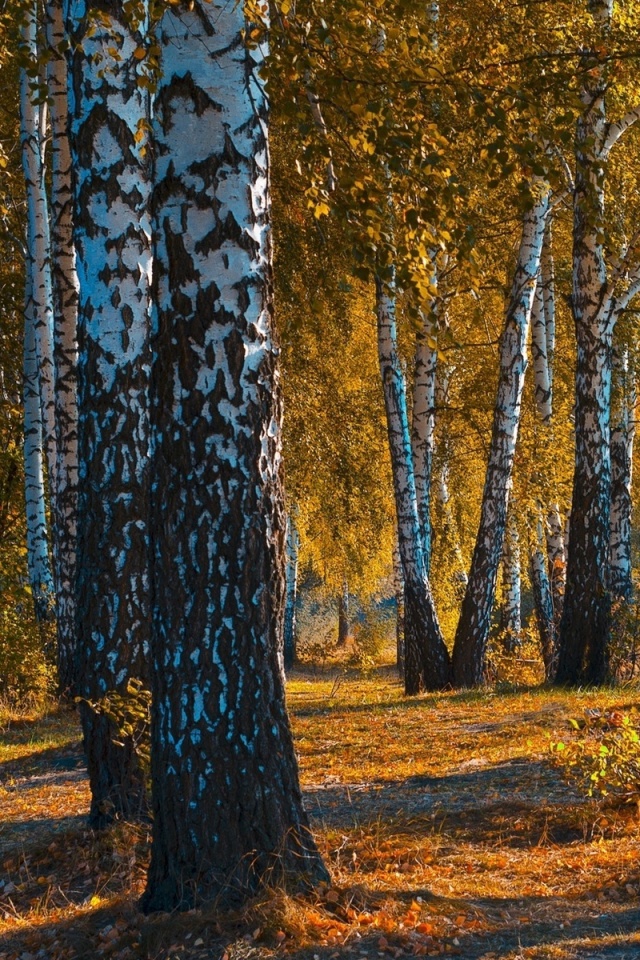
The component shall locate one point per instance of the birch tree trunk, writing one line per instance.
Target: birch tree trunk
(292, 548)
(622, 440)
(227, 803)
(344, 627)
(33, 137)
(38, 564)
(512, 577)
(65, 349)
(423, 426)
(586, 618)
(398, 589)
(542, 598)
(108, 112)
(427, 662)
(450, 533)
(556, 554)
(475, 617)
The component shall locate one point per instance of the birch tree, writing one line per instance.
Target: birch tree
(108, 123)
(65, 321)
(427, 662)
(38, 560)
(227, 803)
(601, 291)
(622, 442)
(475, 617)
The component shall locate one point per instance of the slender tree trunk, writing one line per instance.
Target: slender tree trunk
(557, 559)
(423, 426)
(228, 808)
(475, 618)
(541, 368)
(586, 618)
(542, 599)
(290, 637)
(65, 349)
(512, 578)
(427, 663)
(109, 111)
(344, 626)
(548, 285)
(38, 565)
(398, 589)
(33, 137)
(622, 440)
(450, 533)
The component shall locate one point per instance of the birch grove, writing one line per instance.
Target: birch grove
(372, 257)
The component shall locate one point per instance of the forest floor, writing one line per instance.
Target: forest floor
(446, 826)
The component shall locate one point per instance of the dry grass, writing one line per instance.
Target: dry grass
(446, 828)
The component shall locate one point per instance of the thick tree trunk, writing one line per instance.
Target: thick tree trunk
(65, 349)
(38, 564)
(622, 440)
(290, 637)
(475, 617)
(586, 618)
(542, 598)
(109, 111)
(512, 579)
(228, 810)
(344, 624)
(427, 663)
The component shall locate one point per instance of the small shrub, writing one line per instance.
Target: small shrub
(603, 756)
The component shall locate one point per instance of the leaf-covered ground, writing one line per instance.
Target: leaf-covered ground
(447, 830)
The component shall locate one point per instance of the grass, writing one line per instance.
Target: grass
(446, 827)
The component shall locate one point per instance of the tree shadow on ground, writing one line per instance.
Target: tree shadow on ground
(518, 803)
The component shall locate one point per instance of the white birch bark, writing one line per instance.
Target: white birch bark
(548, 284)
(539, 355)
(398, 589)
(556, 554)
(292, 550)
(512, 582)
(586, 623)
(475, 618)
(427, 661)
(227, 805)
(542, 597)
(65, 350)
(38, 250)
(450, 532)
(622, 442)
(109, 115)
(38, 563)
(423, 425)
